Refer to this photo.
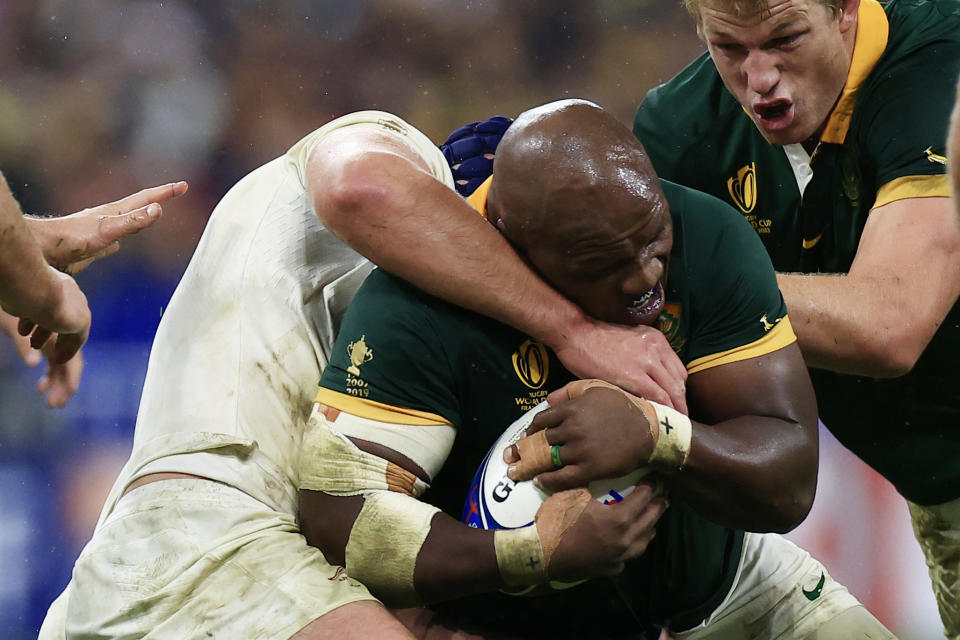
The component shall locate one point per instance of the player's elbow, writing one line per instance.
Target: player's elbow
(893, 365)
(896, 353)
(792, 508)
(349, 198)
(792, 491)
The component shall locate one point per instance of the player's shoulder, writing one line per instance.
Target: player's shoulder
(686, 124)
(705, 220)
(382, 122)
(401, 309)
(935, 16)
(923, 35)
(905, 101)
(721, 280)
(383, 294)
(695, 100)
(717, 246)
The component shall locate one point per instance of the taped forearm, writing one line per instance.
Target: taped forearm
(331, 463)
(386, 537)
(672, 433)
(385, 542)
(457, 560)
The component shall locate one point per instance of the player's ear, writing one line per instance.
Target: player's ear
(495, 217)
(848, 14)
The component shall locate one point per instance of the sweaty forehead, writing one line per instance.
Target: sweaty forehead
(722, 18)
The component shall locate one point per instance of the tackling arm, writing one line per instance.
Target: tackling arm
(877, 319)
(375, 193)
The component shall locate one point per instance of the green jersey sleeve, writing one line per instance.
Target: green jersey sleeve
(906, 113)
(685, 123)
(387, 353)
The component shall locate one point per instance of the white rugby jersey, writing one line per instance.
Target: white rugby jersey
(239, 351)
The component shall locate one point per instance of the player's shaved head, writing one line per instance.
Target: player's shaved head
(564, 165)
(575, 192)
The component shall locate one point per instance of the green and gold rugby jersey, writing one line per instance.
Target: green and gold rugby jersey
(401, 351)
(884, 141)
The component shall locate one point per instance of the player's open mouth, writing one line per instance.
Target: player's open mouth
(646, 308)
(775, 114)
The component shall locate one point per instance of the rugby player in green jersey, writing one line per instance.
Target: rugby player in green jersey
(417, 390)
(824, 122)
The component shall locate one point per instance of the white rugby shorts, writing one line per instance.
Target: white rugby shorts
(193, 558)
(781, 592)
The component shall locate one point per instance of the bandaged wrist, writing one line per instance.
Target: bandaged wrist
(384, 544)
(671, 431)
(520, 556)
(524, 554)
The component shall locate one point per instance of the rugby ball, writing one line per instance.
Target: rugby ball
(494, 501)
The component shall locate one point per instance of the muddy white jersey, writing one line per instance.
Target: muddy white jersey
(240, 348)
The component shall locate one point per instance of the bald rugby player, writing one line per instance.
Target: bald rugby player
(417, 390)
(824, 123)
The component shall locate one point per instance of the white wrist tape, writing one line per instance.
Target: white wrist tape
(520, 556)
(524, 554)
(384, 543)
(672, 432)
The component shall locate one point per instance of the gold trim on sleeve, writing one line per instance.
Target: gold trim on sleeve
(936, 186)
(374, 410)
(778, 337)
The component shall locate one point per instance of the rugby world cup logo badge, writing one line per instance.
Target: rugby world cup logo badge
(531, 363)
(743, 188)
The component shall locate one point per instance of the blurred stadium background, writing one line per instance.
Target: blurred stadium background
(102, 97)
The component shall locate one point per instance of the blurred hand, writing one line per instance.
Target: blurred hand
(601, 433)
(8, 324)
(603, 538)
(72, 242)
(61, 380)
(67, 316)
(637, 359)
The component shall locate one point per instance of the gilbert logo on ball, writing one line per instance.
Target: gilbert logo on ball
(494, 501)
